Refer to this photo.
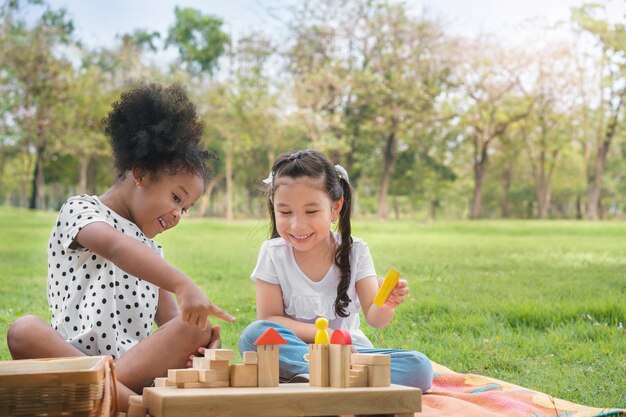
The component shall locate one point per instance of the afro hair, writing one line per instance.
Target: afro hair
(155, 128)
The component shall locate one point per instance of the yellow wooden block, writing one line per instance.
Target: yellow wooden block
(250, 357)
(180, 376)
(391, 280)
(244, 375)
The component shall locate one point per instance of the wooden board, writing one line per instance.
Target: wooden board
(285, 400)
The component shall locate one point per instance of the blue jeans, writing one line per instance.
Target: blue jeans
(408, 367)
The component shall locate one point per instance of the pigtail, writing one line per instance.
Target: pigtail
(342, 254)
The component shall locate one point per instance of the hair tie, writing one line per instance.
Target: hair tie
(342, 173)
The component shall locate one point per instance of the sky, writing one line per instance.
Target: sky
(97, 22)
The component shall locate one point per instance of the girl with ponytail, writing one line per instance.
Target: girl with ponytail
(306, 270)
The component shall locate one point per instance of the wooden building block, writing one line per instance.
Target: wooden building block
(390, 282)
(379, 376)
(244, 375)
(358, 376)
(160, 382)
(193, 385)
(270, 337)
(136, 411)
(250, 357)
(200, 362)
(219, 354)
(268, 365)
(135, 400)
(370, 359)
(119, 414)
(339, 365)
(218, 365)
(212, 375)
(285, 400)
(179, 376)
(209, 384)
(318, 366)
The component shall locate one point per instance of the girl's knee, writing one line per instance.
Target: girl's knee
(21, 333)
(412, 369)
(422, 369)
(189, 333)
(252, 332)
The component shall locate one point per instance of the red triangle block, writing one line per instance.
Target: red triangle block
(341, 337)
(270, 337)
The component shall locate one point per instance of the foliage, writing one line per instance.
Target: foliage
(428, 125)
(199, 38)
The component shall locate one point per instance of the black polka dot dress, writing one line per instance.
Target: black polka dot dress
(96, 306)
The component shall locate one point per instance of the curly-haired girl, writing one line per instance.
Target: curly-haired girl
(107, 280)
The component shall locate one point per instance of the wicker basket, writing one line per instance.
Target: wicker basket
(67, 387)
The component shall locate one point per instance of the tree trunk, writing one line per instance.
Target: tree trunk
(478, 189)
(389, 158)
(82, 174)
(38, 194)
(229, 184)
(594, 184)
(206, 197)
(507, 174)
(480, 166)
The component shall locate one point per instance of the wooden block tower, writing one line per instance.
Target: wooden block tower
(268, 355)
(339, 358)
(334, 364)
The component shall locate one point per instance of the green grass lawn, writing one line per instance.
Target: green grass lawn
(536, 304)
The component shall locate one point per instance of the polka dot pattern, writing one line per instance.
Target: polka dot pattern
(96, 306)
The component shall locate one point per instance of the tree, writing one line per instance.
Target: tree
(610, 43)
(37, 80)
(199, 39)
(494, 102)
(364, 73)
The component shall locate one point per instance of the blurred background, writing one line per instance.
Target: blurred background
(437, 109)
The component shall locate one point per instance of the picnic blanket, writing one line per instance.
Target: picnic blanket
(454, 395)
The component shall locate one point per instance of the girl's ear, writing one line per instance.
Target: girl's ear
(336, 209)
(138, 175)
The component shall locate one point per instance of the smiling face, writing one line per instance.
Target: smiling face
(160, 202)
(304, 212)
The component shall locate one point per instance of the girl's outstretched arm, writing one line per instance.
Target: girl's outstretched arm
(269, 306)
(376, 316)
(139, 260)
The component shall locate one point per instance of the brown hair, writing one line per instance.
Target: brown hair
(315, 165)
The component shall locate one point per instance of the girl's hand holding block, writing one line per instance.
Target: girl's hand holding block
(390, 282)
